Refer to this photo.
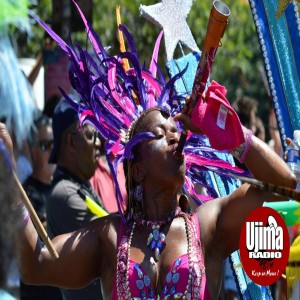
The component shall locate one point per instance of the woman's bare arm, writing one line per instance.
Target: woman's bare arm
(225, 217)
(80, 257)
(266, 166)
(83, 254)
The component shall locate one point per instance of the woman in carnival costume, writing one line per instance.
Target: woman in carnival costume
(153, 249)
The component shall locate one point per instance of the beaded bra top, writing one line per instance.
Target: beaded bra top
(185, 279)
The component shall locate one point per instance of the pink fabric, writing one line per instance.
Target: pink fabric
(205, 116)
(205, 295)
(247, 147)
(180, 265)
(181, 285)
(102, 182)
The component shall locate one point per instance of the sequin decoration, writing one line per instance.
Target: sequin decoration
(171, 16)
(143, 283)
(170, 290)
(171, 281)
(179, 283)
(157, 239)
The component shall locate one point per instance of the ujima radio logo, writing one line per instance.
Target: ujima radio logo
(264, 246)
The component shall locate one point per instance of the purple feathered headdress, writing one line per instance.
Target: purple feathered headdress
(113, 98)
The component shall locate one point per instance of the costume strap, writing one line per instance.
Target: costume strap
(241, 152)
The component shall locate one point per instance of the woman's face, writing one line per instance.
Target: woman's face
(159, 158)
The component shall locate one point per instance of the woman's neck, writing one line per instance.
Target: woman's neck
(159, 207)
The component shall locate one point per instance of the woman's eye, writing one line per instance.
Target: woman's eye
(89, 136)
(159, 136)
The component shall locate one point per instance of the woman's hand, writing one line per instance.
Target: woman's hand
(185, 117)
(7, 141)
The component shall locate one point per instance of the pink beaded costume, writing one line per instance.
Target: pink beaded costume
(186, 278)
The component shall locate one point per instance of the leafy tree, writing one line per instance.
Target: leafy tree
(237, 60)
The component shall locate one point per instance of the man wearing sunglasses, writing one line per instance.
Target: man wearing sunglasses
(75, 151)
(37, 187)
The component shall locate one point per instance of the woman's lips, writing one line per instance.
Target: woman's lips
(179, 156)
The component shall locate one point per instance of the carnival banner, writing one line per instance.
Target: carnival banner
(278, 30)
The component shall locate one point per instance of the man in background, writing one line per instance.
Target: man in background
(37, 187)
(75, 152)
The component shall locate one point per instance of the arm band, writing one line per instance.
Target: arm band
(23, 213)
(241, 152)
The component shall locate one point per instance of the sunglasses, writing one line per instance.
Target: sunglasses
(91, 135)
(45, 145)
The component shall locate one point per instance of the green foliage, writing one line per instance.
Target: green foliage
(236, 62)
(30, 46)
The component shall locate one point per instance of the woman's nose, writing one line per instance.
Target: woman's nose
(173, 138)
(97, 140)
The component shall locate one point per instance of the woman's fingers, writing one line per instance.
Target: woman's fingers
(187, 122)
(4, 135)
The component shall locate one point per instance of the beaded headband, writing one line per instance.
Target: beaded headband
(113, 98)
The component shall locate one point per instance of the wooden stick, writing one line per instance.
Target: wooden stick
(36, 221)
(272, 188)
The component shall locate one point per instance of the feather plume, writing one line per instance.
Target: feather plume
(108, 102)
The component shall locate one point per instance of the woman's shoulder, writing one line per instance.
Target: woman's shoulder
(109, 225)
(210, 209)
(208, 215)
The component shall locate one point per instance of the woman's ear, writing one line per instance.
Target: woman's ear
(137, 172)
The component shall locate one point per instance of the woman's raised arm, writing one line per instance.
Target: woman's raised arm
(225, 217)
(266, 166)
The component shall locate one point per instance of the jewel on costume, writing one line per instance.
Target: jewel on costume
(173, 276)
(157, 239)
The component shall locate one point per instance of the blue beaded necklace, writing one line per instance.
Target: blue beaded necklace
(157, 239)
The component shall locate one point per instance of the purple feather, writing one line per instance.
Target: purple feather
(119, 196)
(57, 39)
(99, 49)
(135, 140)
(107, 102)
(169, 87)
(129, 39)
